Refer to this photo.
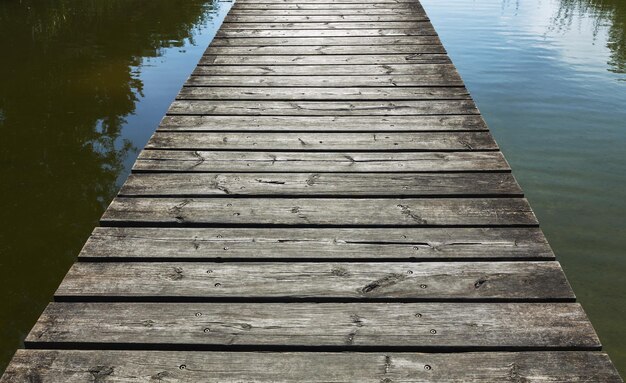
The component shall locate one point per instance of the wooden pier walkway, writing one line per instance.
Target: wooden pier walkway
(322, 203)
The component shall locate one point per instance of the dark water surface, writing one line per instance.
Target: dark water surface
(83, 84)
(549, 77)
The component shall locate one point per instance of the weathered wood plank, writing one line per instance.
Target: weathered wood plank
(320, 184)
(325, 50)
(315, 211)
(75, 366)
(322, 19)
(323, 123)
(205, 161)
(381, 25)
(323, 94)
(445, 78)
(419, 58)
(420, 141)
(326, 2)
(409, 7)
(379, 244)
(237, 11)
(326, 70)
(327, 41)
(467, 281)
(426, 30)
(322, 108)
(415, 326)
(406, 7)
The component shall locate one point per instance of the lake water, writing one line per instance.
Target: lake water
(83, 84)
(549, 77)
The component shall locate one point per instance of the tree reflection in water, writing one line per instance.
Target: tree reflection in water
(606, 13)
(68, 80)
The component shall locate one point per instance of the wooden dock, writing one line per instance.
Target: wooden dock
(322, 203)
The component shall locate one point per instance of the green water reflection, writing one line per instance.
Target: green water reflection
(82, 86)
(607, 16)
(548, 75)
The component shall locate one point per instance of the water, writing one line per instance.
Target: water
(549, 77)
(83, 84)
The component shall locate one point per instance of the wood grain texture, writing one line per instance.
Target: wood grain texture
(415, 58)
(425, 29)
(320, 184)
(321, 108)
(421, 141)
(75, 366)
(465, 326)
(327, 70)
(322, 94)
(325, 49)
(321, 19)
(467, 281)
(319, 162)
(380, 25)
(316, 211)
(373, 244)
(350, 81)
(323, 123)
(237, 11)
(413, 7)
(390, 2)
(327, 41)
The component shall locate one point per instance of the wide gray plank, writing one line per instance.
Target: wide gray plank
(211, 161)
(323, 123)
(416, 326)
(319, 94)
(467, 281)
(390, 2)
(444, 78)
(322, 19)
(326, 70)
(403, 141)
(320, 184)
(321, 108)
(380, 25)
(331, 11)
(328, 41)
(406, 7)
(76, 366)
(316, 211)
(121, 243)
(325, 50)
(425, 30)
(418, 58)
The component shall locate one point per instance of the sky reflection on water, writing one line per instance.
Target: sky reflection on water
(548, 76)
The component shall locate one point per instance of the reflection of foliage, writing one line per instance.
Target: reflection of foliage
(612, 12)
(66, 86)
(80, 55)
